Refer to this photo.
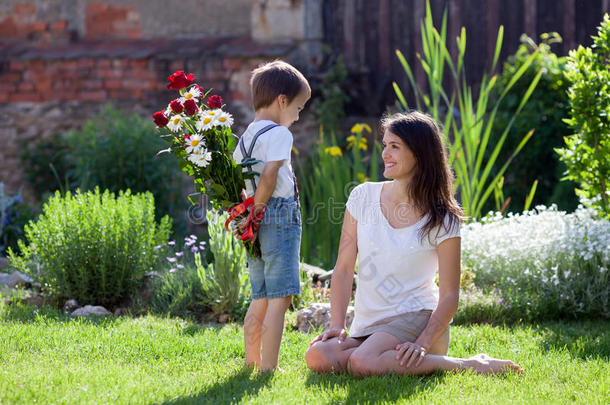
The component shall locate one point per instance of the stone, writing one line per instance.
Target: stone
(89, 310)
(317, 315)
(316, 273)
(4, 262)
(18, 279)
(71, 306)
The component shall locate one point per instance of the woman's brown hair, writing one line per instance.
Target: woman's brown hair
(431, 187)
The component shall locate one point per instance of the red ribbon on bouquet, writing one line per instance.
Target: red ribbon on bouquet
(253, 221)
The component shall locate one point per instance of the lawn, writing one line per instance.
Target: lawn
(45, 357)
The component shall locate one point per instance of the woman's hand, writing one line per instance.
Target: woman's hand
(410, 353)
(331, 333)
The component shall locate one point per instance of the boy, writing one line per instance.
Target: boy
(279, 93)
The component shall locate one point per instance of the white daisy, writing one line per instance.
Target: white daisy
(192, 93)
(175, 122)
(201, 159)
(208, 119)
(195, 142)
(224, 119)
(194, 155)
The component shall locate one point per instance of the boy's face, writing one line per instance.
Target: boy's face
(289, 112)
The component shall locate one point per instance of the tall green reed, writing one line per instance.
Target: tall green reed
(326, 179)
(467, 117)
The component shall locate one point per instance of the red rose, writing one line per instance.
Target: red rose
(201, 89)
(176, 106)
(190, 106)
(160, 119)
(187, 136)
(215, 102)
(179, 80)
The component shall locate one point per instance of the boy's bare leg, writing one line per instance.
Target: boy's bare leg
(253, 325)
(273, 328)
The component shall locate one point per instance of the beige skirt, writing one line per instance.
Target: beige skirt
(406, 328)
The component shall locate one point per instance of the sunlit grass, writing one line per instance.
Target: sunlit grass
(46, 357)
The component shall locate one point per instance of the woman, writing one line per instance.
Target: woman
(403, 231)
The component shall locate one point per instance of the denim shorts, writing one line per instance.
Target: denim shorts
(276, 273)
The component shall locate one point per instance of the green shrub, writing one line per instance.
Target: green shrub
(544, 112)
(114, 152)
(543, 264)
(587, 153)
(93, 247)
(225, 281)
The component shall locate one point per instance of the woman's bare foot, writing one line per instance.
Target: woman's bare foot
(483, 364)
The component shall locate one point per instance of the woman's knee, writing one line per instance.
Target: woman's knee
(317, 358)
(322, 358)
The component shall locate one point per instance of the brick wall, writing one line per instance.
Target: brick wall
(50, 20)
(21, 22)
(109, 21)
(43, 92)
(62, 60)
(84, 79)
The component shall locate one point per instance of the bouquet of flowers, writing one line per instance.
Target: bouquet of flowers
(200, 137)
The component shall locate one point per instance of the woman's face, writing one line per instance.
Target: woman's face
(398, 159)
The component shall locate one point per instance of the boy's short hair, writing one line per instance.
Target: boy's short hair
(274, 78)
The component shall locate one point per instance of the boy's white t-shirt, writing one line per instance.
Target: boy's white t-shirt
(396, 271)
(273, 145)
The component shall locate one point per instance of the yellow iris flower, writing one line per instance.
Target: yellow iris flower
(360, 127)
(351, 141)
(333, 151)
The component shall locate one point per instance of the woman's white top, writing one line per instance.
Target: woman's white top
(273, 145)
(396, 271)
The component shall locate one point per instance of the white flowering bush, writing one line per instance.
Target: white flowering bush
(543, 263)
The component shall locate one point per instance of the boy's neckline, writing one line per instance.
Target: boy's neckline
(264, 119)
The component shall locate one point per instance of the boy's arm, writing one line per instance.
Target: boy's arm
(266, 184)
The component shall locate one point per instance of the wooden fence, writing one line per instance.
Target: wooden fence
(367, 32)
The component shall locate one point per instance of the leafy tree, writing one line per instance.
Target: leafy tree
(587, 152)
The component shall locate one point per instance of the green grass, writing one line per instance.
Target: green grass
(45, 357)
